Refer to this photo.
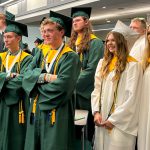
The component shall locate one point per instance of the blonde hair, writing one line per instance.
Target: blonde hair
(84, 45)
(2, 16)
(146, 56)
(49, 21)
(141, 20)
(121, 53)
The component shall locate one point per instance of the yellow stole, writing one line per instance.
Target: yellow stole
(44, 48)
(112, 64)
(78, 41)
(11, 58)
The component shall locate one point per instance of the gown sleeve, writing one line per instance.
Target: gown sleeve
(32, 74)
(58, 92)
(95, 96)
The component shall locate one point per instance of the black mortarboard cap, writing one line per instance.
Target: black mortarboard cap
(64, 21)
(38, 40)
(81, 11)
(18, 28)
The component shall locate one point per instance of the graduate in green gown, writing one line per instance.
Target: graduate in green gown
(13, 100)
(37, 42)
(50, 81)
(90, 49)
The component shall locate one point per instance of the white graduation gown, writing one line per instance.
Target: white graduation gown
(144, 115)
(125, 116)
(137, 50)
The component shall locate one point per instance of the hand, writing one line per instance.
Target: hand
(13, 75)
(97, 119)
(107, 124)
(50, 77)
(53, 77)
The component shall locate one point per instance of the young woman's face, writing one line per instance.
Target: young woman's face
(111, 44)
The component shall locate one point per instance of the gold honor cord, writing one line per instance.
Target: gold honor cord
(53, 117)
(112, 109)
(21, 111)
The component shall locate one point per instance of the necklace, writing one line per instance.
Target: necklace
(48, 67)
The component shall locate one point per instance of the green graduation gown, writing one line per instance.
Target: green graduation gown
(12, 134)
(85, 83)
(41, 135)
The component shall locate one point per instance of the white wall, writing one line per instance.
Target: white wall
(33, 32)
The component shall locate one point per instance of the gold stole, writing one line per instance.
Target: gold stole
(78, 41)
(11, 58)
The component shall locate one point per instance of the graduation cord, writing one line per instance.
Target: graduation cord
(114, 100)
(112, 109)
(100, 96)
(21, 111)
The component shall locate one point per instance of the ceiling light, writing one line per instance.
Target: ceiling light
(122, 13)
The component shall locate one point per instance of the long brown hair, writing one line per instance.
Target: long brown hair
(121, 53)
(146, 56)
(84, 45)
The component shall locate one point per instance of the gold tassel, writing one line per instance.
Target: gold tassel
(19, 117)
(81, 57)
(109, 131)
(21, 113)
(34, 105)
(23, 119)
(53, 117)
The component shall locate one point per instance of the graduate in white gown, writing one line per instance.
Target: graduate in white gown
(144, 115)
(115, 100)
(139, 26)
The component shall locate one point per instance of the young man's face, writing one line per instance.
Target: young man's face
(51, 34)
(11, 40)
(79, 23)
(36, 44)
